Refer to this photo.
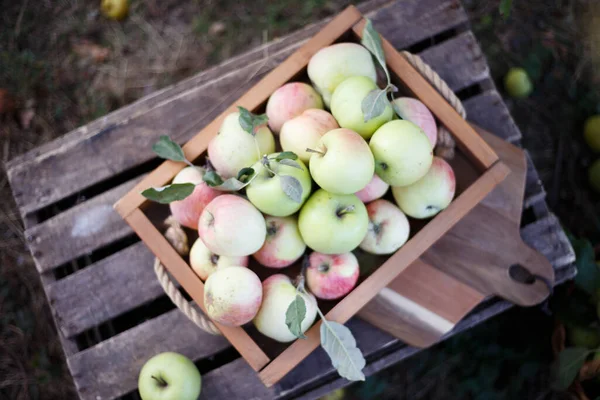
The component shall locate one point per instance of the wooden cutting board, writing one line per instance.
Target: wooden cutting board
(474, 260)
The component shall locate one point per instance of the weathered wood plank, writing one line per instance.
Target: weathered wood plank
(534, 190)
(110, 369)
(489, 111)
(104, 290)
(547, 236)
(102, 149)
(79, 230)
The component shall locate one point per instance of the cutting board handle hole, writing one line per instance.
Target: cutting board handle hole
(520, 274)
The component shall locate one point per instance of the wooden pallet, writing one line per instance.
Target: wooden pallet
(109, 309)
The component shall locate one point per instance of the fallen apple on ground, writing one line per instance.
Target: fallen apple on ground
(305, 131)
(388, 228)
(187, 211)
(333, 223)
(342, 162)
(430, 194)
(222, 231)
(331, 276)
(204, 262)
(278, 293)
(169, 376)
(283, 246)
(232, 295)
(289, 101)
(115, 9)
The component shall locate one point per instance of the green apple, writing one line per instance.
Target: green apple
(594, 175)
(333, 223)
(517, 83)
(346, 106)
(388, 228)
(278, 293)
(304, 131)
(403, 153)
(233, 148)
(283, 246)
(430, 194)
(331, 65)
(266, 191)
(169, 376)
(587, 337)
(342, 162)
(591, 132)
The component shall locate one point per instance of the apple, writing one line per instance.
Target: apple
(342, 162)
(517, 83)
(388, 228)
(430, 194)
(331, 276)
(331, 65)
(333, 223)
(591, 132)
(232, 295)
(265, 190)
(402, 153)
(594, 176)
(346, 106)
(416, 112)
(187, 211)
(114, 9)
(233, 148)
(204, 262)
(231, 226)
(283, 246)
(169, 376)
(375, 189)
(278, 294)
(289, 101)
(305, 130)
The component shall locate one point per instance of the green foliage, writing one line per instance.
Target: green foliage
(588, 274)
(567, 366)
(504, 8)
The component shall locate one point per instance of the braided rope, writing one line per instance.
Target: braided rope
(178, 239)
(445, 144)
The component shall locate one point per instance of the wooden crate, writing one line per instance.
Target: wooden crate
(484, 172)
(110, 312)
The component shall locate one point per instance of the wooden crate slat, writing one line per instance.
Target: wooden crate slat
(79, 230)
(110, 368)
(459, 61)
(104, 290)
(489, 111)
(55, 171)
(547, 236)
(534, 189)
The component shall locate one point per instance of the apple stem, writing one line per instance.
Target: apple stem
(214, 259)
(345, 210)
(315, 151)
(160, 381)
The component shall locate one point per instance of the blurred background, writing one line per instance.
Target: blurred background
(63, 63)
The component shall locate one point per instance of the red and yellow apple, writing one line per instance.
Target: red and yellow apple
(204, 262)
(388, 228)
(289, 101)
(187, 211)
(305, 130)
(331, 276)
(283, 246)
(375, 189)
(416, 112)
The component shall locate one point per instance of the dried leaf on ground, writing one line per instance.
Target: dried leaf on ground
(7, 102)
(217, 28)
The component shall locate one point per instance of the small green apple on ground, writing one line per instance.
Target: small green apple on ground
(591, 132)
(517, 83)
(594, 175)
(115, 9)
(169, 376)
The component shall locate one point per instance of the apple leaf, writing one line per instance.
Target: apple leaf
(168, 149)
(212, 178)
(286, 155)
(372, 41)
(588, 273)
(567, 366)
(340, 345)
(215, 181)
(295, 315)
(374, 104)
(291, 163)
(245, 173)
(251, 122)
(291, 187)
(169, 193)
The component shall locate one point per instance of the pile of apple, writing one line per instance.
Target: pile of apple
(323, 191)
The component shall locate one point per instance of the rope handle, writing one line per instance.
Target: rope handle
(178, 239)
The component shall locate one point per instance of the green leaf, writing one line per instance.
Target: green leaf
(340, 345)
(295, 315)
(251, 122)
(504, 8)
(291, 187)
(169, 193)
(373, 105)
(231, 185)
(567, 366)
(212, 178)
(286, 155)
(245, 173)
(168, 149)
(291, 163)
(588, 274)
(372, 41)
